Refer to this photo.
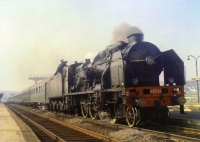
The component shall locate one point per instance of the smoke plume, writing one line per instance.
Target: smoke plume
(119, 33)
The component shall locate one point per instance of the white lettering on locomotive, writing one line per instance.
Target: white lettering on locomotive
(155, 91)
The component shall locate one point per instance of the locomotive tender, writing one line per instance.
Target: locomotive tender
(122, 82)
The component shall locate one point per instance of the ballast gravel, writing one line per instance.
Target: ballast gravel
(115, 131)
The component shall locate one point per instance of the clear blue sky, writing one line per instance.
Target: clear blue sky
(36, 34)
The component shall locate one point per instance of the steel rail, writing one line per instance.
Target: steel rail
(191, 123)
(186, 129)
(168, 134)
(87, 132)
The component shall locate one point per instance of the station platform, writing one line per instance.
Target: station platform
(191, 109)
(191, 113)
(13, 129)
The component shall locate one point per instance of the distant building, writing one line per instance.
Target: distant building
(38, 77)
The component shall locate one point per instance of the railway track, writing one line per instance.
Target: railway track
(188, 123)
(187, 134)
(167, 131)
(49, 129)
(170, 131)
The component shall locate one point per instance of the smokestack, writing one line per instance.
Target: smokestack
(134, 34)
(127, 33)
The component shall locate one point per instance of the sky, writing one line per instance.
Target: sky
(36, 34)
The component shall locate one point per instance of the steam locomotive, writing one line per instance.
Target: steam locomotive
(123, 82)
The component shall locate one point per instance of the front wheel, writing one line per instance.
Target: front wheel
(84, 110)
(93, 111)
(76, 112)
(131, 117)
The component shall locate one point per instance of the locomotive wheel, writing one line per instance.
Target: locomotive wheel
(66, 109)
(107, 116)
(93, 111)
(84, 110)
(76, 112)
(113, 121)
(131, 117)
(167, 114)
(137, 112)
(101, 114)
(61, 108)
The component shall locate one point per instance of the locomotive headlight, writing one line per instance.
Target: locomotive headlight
(181, 100)
(141, 102)
(135, 81)
(171, 80)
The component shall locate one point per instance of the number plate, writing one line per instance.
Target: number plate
(155, 91)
